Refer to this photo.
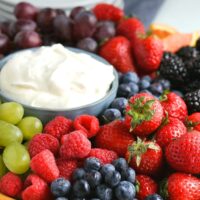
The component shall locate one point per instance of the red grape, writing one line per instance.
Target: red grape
(22, 25)
(4, 26)
(45, 19)
(88, 44)
(84, 25)
(5, 43)
(75, 11)
(60, 12)
(25, 10)
(62, 27)
(27, 39)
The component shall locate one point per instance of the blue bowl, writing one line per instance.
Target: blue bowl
(45, 114)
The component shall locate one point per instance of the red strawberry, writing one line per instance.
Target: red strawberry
(41, 142)
(114, 136)
(144, 114)
(104, 155)
(104, 11)
(130, 28)
(171, 129)
(148, 53)
(174, 105)
(193, 121)
(66, 167)
(183, 153)
(145, 157)
(58, 126)
(180, 186)
(145, 186)
(36, 189)
(44, 165)
(87, 123)
(117, 51)
(75, 146)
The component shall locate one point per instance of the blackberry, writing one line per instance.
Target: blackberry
(192, 100)
(187, 53)
(194, 68)
(192, 86)
(173, 68)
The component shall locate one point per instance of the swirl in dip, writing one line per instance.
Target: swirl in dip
(55, 77)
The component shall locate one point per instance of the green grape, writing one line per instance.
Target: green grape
(16, 158)
(30, 126)
(11, 112)
(9, 133)
(2, 167)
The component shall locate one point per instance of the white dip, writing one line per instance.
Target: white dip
(54, 77)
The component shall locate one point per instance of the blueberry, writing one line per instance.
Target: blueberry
(113, 179)
(61, 198)
(60, 187)
(81, 188)
(93, 178)
(129, 175)
(130, 77)
(92, 164)
(120, 164)
(134, 87)
(120, 75)
(103, 192)
(107, 169)
(124, 90)
(78, 174)
(120, 103)
(156, 88)
(144, 84)
(165, 84)
(154, 197)
(147, 78)
(125, 190)
(95, 199)
(111, 114)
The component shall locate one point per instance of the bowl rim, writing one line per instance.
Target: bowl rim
(113, 86)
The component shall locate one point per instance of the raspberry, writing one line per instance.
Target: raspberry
(36, 189)
(76, 146)
(41, 142)
(44, 165)
(104, 155)
(87, 123)
(66, 167)
(11, 184)
(58, 126)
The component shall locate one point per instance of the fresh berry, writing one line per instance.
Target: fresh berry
(120, 103)
(183, 153)
(44, 165)
(148, 53)
(76, 145)
(127, 89)
(113, 179)
(92, 164)
(129, 77)
(174, 105)
(104, 192)
(81, 188)
(60, 187)
(35, 188)
(87, 44)
(154, 197)
(145, 157)
(105, 156)
(58, 127)
(111, 114)
(144, 114)
(94, 178)
(104, 11)
(87, 123)
(107, 169)
(171, 129)
(193, 121)
(78, 174)
(156, 89)
(128, 175)
(65, 137)
(182, 186)
(66, 167)
(120, 164)
(41, 142)
(144, 84)
(145, 186)
(187, 53)
(114, 136)
(112, 52)
(11, 184)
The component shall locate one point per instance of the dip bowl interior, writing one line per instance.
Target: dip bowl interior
(45, 114)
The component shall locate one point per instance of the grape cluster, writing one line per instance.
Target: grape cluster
(35, 27)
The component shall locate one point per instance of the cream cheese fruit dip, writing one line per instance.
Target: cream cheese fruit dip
(55, 78)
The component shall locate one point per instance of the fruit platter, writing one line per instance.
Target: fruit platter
(94, 106)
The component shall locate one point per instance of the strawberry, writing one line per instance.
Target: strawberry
(145, 186)
(144, 114)
(174, 105)
(114, 136)
(193, 121)
(180, 186)
(117, 51)
(130, 28)
(171, 129)
(183, 153)
(148, 53)
(104, 11)
(145, 157)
